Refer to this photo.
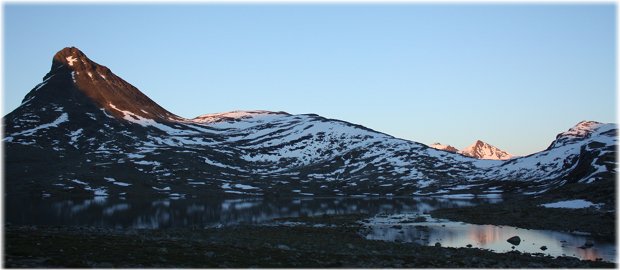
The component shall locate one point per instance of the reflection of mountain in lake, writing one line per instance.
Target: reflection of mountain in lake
(483, 235)
(163, 213)
(457, 234)
(587, 254)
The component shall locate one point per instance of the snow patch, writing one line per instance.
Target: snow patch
(64, 117)
(571, 204)
(74, 136)
(131, 155)
(242, 186)
(70, 60)
(79, 182)
(144, 162)
(147, 122)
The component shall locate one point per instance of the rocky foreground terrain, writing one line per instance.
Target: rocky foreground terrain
(319, 242)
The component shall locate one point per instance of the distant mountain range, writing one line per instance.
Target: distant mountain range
(84, 131)
(478, 149)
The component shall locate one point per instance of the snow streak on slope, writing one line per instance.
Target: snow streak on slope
(61, 119)
(235, 116)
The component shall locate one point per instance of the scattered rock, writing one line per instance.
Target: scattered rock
(437, 244)
(588, 244)
(515, 240)
(284, 247)
(420, 219)
(543, 248)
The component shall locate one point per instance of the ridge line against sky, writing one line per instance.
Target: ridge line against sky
(510, 75)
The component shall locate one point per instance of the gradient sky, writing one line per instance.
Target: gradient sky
(511, 75)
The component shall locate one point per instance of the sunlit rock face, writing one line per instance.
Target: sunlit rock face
(483, 150)
(440, 146)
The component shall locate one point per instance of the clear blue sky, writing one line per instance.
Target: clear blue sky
(511, 75)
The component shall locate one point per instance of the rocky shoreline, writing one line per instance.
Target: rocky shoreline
(527, 214)
(316, 242)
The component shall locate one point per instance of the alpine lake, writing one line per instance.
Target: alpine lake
(398, 220)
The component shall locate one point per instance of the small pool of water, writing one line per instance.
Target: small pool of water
(403, 228)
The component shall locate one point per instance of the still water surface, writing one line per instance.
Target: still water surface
(459, 234)
(387, 225)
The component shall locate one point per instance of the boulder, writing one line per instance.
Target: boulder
(515, 240)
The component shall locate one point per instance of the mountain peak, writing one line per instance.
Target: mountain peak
(580, 131)
(71, 57)
(68, 51)
(482, 150)
(584, 127)
(74, 74)
(440, 146)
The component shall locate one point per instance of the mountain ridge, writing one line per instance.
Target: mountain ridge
(106, 144)
(448, 148)
(479, 149)
(483, 150)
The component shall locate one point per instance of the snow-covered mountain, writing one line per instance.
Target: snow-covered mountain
(483, 150)
(85, 131)
(479, 150)
(443, 147)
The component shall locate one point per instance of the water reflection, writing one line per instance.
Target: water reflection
(492, 237)
(165, 213)
(484, 235)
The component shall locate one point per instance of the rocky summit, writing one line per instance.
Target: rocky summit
(84, 131)
(483, 150)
